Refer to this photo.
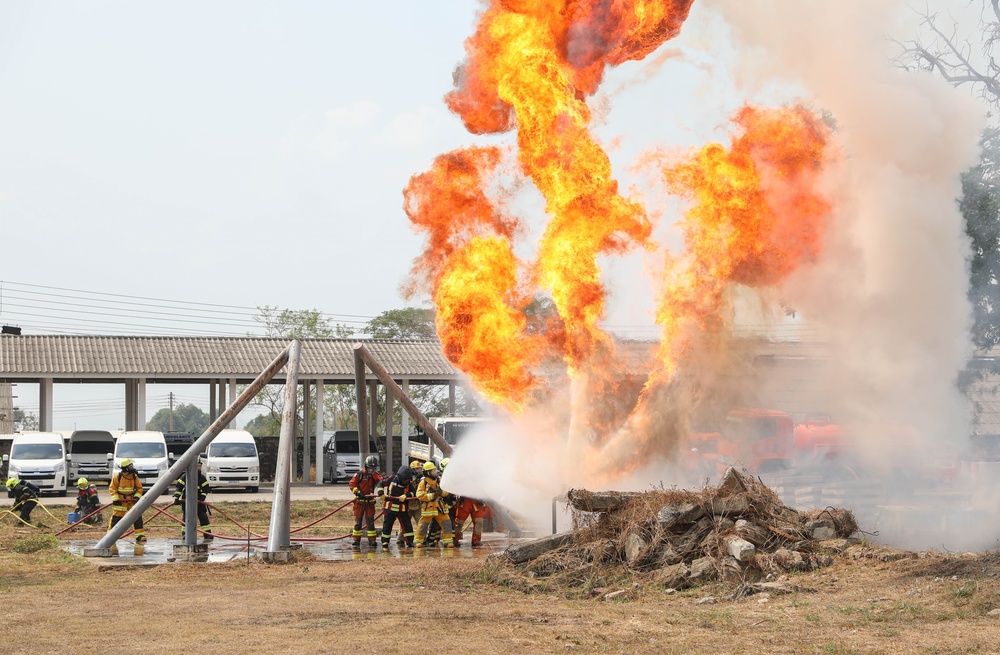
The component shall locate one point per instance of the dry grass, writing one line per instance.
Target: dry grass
(868, 601)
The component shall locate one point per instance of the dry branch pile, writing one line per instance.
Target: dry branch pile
(738, 530)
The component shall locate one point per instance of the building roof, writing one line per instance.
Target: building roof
(204, 358)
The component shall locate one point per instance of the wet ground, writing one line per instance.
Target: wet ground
(161, 551)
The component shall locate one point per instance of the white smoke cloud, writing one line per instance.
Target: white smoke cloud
(890, 290)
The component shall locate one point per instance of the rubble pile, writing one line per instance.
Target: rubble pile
(739, 530)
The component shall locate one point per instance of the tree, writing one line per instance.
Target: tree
(964, 60)
(406, 323)
(980, 206)
(186, 418)
(24, 421)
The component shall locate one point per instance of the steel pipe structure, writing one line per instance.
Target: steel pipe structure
(174, 472)
(279, 534)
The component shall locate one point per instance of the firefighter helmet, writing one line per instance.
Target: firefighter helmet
(415, 465)
(371, 461)
(126, 462)
(82, 483)
(430, 466)
(444, 462)
(11, 483)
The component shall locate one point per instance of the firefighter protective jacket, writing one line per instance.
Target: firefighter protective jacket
(434, 500)
(363, 484)
(25, 490)
(397, 495)
(87, 500)
(181, 484)
(125, 487)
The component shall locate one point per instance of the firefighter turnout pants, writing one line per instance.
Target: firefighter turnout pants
(477, 510)
(444, 524)
(405, 526)
(364, 514)
(118, 511)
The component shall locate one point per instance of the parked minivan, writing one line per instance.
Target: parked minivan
(342, 455)
(232, 461)
(88, 455)
(39, 458)
(147, 450)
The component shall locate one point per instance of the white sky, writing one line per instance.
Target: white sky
(244, 153)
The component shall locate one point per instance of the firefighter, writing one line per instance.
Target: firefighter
(363, 487)
(433, 508)
(88, 504)
(25, 497)
(203, 489)
(398, 491)
(125, 490)
(477, 510)
(413, 505)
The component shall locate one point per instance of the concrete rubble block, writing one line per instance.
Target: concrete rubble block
(821, 530)
(600, 501)
(734, 506)
(635, 547)
(537, 547)
(758, 535)
(673, 576)
(788, 560)
(835, 545)
(692, 539)
(672, 516)
(740, 549)
(702, 570)
(731, 567)
(732, 483)
(668, 556)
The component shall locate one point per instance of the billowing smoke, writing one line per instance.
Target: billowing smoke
(885, 288)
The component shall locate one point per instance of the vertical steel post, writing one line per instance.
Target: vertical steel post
(306, 410)
(366, 449)
(387, 465)
(320, 407)
(278, 537)
(359, 388)
(191, 503)
(174, 472)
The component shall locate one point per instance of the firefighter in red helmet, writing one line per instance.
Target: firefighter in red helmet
(363, 487)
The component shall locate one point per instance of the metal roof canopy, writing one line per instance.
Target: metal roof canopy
(102, 359)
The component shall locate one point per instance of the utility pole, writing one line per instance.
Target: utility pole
(171, 396)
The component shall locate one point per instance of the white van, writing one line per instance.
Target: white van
(88, 455)
(232, 461)
(147, 450)
(39, 458)
(342, 454)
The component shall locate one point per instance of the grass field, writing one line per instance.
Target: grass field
(867, 602)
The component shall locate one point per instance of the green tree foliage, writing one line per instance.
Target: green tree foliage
(24, 421)
(980, 206)
(187, 418)
(407, 323)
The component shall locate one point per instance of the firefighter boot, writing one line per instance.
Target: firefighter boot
(356, 544)
(208, 534)
(385, 543)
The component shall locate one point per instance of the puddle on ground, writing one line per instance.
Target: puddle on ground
(161, 551)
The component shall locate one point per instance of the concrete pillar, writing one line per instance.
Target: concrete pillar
(213, 410)
(306, 410)
(387, 465)
(404, 429)
(451, 397)
(140, 403)
(131, 421)
(45, 405)
(320, 405)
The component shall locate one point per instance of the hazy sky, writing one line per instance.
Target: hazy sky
(241, 154)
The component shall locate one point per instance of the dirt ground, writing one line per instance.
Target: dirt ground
(867, 602)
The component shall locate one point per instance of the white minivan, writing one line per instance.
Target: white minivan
(232, 461)
(148, 451)
(88, 455)
(39, 458)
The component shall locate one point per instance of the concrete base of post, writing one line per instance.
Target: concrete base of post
(186, 549)
(98, 552)
(277, 557)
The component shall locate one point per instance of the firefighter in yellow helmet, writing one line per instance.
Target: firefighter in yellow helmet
(125, 490)
(433, 507)
(413, 504)
(25, 495)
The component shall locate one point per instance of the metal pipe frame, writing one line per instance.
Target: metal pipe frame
(279, 534)
(174, 472)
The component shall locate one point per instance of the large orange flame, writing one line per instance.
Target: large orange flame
(531, 65)
(758, 216)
